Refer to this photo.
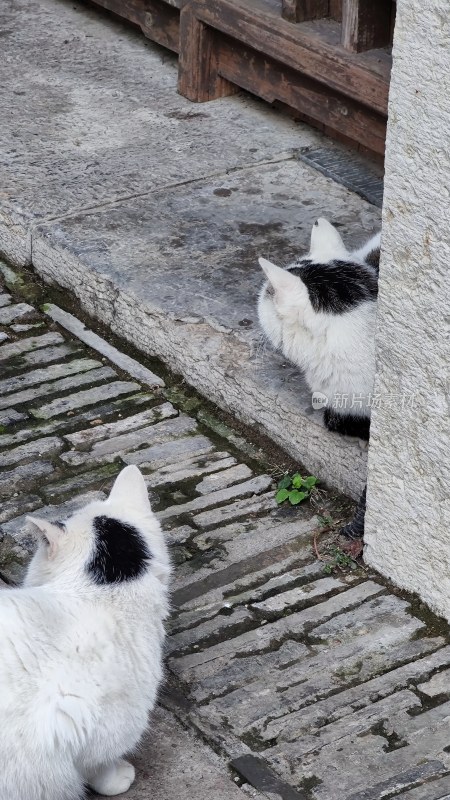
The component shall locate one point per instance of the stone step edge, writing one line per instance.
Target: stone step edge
(339, 462)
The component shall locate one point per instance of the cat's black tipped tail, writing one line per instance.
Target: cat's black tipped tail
(347, 424)
(355, 528)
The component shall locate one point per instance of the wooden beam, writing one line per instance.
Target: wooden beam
(277, 82)
(366, 24)
(309, 52)
(302, 10)
(158, 20)
(336, 9)
(198, 76)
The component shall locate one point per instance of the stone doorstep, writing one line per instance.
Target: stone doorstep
(210, 333)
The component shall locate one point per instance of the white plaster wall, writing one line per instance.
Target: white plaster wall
(408, 515)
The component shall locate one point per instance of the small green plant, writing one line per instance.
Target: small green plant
(295, 488)
(339, 560)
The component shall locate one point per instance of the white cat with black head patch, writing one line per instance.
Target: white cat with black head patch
(320, 313)
(80, 649)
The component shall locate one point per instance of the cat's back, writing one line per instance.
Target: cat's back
(63, 657)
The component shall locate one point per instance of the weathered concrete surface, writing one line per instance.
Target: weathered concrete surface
(308, 686)
(174, 764)
(152, 211)
(90, 114)
(176, 273)
(408, 516)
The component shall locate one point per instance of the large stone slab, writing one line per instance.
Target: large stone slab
(177, 274)
(109, 124)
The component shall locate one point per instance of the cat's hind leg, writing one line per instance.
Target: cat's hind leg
(113, 779)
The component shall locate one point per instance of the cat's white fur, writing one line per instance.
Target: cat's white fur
(80, 663)
(335, 351)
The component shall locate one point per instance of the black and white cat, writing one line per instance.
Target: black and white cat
(320, 313)
(81, 649)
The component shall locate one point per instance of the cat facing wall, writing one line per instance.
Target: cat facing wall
(81, 649)
(320, 313)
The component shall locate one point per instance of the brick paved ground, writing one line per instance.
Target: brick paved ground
(313, 686)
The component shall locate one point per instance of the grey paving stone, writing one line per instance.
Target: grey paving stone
(250, 702)
(53, 372)
(227, 597)
(20, 476)
(259, 639)
(190, 468)
(88, 397)
(252, 486)
(13, 560)
(220, 481)
(5, 299)
(160, 455)
(159, 432)
(9, 416)
(79, 483)
(26, 326)
(180, 535)
(22, 531)
(243, 556)
(376, 773)
(217, 628)
(46, 355)
(3, 337)
(37, 449)
(94, 416)
(239, 508)
(121, 360)
(431, 790)
(437, 685)
(18, 505)
(32, 343)
(301, 594)
(55, 387)
(292, 726)
(86, 438)
(387, 711)
(9, 313)
(212, 602)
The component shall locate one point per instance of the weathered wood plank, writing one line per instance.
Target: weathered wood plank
(158, 19)
(276, 82)
(301, 10)
(365, 24)
(336, 9)
(306, 51)
(198, 77)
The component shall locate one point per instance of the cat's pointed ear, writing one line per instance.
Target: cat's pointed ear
(280, 279)
(326, 242)
(129, 489)
(48, 532)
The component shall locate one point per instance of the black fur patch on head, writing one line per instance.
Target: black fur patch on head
(121, 553)
(347, 424)
(338, 286)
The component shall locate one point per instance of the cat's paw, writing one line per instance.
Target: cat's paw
(115, 779)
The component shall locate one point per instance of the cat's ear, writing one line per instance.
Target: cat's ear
(326, 242)
(49, 533)
(281, 279)
(129, 489)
